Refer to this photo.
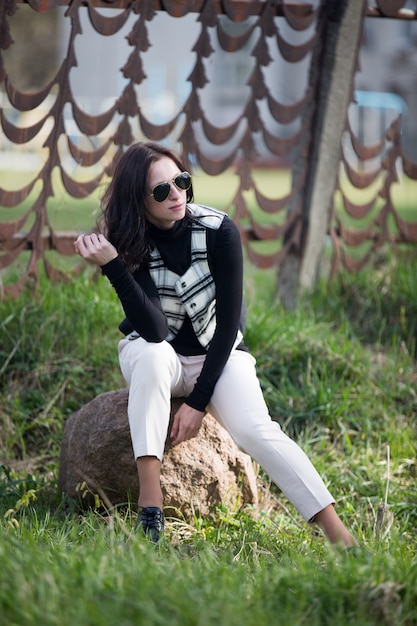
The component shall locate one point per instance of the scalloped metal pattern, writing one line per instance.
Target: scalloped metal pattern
(286, 231)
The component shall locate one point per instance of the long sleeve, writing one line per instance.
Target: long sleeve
(140, 301)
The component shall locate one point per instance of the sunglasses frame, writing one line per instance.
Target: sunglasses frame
(169, 183)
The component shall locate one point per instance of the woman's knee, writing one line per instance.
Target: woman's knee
(153, 356)
(150, 359)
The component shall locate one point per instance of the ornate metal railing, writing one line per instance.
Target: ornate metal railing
(267, 128)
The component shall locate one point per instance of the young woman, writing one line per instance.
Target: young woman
(177, 269)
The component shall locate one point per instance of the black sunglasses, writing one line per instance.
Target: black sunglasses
(161, 192)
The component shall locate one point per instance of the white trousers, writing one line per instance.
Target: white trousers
(155, 373)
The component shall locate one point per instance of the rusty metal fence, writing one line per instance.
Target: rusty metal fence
(265, 131)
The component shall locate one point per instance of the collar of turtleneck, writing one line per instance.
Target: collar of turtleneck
(174, 245)
(168, 234)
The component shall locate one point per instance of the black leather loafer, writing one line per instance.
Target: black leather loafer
(151, 522)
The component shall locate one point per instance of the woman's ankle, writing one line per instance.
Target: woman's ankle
(153, 502)
(150, 492)
(333, 527)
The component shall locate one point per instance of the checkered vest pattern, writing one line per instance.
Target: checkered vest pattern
(193, 293)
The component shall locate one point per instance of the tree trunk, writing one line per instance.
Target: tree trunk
(332, 72)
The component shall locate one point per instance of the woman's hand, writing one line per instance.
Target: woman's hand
(95, 249)
(187, 422)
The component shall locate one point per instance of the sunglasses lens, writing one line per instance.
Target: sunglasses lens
(183, 181)
(161, 192)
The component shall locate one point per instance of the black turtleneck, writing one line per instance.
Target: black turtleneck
(139, 297)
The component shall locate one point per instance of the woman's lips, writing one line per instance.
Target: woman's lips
(176, 207)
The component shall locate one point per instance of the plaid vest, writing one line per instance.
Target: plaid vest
(193, 293)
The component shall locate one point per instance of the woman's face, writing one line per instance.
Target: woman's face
(164, 214)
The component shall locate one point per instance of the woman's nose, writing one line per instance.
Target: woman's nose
(174, 191)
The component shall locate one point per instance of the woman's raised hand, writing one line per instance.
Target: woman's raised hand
(95, 249)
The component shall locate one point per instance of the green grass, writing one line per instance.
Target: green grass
(109, 577)
(340, 375)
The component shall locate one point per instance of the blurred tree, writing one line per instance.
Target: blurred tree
(32, 60)
(332, 72)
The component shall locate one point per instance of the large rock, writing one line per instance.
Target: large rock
(196, 475)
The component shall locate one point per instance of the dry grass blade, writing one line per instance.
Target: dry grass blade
(384, 517)
(11, 355)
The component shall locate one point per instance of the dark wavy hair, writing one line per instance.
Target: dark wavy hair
(123, 218)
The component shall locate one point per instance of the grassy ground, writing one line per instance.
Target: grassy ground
(339, 374)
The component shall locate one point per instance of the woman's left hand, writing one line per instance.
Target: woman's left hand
(186, 425)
